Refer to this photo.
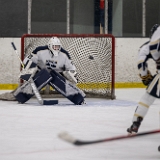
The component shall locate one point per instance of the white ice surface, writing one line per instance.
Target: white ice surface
(30, 131)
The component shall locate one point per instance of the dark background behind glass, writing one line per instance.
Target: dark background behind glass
(49, 16)
(13, 17)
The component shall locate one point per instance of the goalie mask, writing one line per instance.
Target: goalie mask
(54, 45)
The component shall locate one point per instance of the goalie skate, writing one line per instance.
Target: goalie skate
(8, 96)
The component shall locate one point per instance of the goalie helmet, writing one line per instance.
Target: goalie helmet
(54, 45)
(154, 28)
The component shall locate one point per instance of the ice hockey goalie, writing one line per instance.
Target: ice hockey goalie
(49, 64)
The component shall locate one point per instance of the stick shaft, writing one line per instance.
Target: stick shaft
(15, 49)
(78, 142)
(68, 138)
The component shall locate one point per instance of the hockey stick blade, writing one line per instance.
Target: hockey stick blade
(68, 138)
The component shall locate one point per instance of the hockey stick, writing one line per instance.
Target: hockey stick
(15, 49)
(38, 96)
(35, 90)
(67, 137)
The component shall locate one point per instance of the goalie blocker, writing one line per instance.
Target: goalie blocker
(55, 80)
(26, 91)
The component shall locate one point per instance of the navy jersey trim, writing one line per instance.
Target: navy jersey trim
(46, 47)
(39, 49)
(64, 51)
(153, 47)
(144, 44)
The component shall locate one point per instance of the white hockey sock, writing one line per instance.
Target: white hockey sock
(143, 106)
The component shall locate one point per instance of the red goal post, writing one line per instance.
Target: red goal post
(92, 54)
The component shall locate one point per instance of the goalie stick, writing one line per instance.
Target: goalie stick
(68, 138)
(35, 90)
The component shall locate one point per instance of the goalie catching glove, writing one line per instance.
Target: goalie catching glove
(147, 78)
(70, 76)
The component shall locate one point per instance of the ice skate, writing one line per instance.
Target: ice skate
(135, 126)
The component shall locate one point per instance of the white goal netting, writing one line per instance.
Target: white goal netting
(93, 56)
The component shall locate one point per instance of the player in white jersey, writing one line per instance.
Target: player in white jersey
(150, 49)
(53, 57)
(52, 65)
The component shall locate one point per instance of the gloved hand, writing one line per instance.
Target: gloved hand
(147, 79)
(71, 76)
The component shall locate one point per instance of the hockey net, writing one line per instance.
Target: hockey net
(93, 56)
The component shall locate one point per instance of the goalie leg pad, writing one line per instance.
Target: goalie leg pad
(25, 92)
(21, 95)
(64, 87)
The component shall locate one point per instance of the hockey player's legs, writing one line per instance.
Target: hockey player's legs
(68, 90)
(145, 102)
(25, 92)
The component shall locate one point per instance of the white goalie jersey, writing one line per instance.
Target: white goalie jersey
(44, 58)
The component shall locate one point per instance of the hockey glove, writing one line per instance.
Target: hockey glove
(29, 70)
(71, 76)
(158, 63)
(147, 79)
